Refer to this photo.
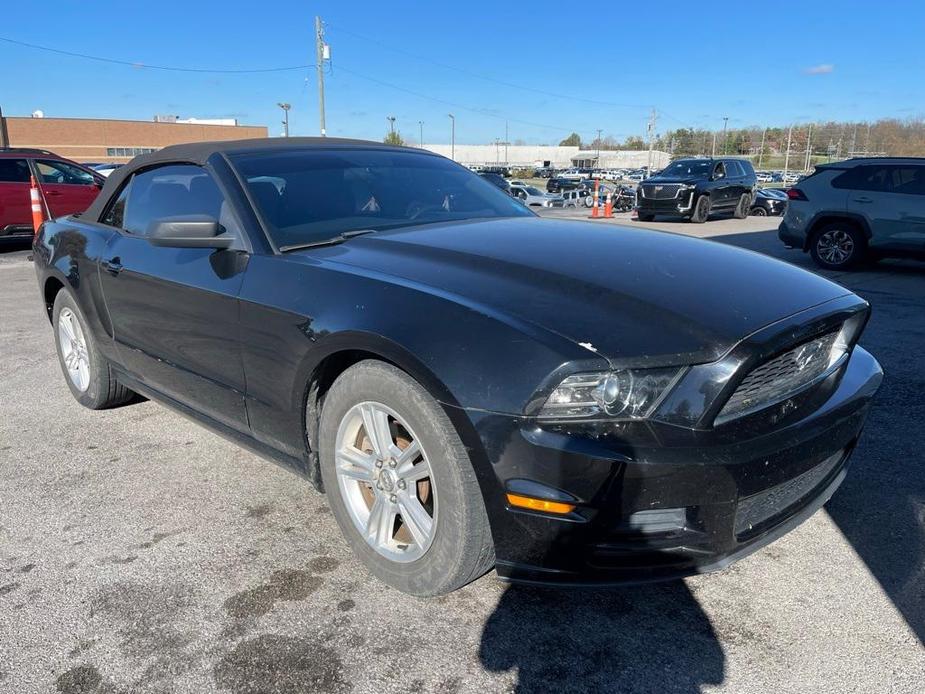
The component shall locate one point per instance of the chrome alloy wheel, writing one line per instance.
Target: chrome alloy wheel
(74, 349)
(386, 482)
(835, 246)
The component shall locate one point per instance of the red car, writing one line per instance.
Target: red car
(67, 186)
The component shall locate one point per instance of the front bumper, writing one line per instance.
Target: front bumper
(661, 501)
(681, 205)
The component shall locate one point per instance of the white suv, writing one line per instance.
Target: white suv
(858, 209)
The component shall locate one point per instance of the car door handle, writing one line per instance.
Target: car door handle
(113, 266)
(53, 193)
(863, 199)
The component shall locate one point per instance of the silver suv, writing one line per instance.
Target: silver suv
(856, 210)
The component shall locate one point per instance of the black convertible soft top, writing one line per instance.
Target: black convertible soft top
(199, 153)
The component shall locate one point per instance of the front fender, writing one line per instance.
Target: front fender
(66, 253)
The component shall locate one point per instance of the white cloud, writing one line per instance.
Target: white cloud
(823, 69)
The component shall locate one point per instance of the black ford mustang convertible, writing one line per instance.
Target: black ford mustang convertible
(472, 386)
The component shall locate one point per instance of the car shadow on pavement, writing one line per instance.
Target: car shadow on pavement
(880, 507)
(641, 638)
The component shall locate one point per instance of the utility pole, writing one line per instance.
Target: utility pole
(322, 52)
(854, 142)
(391, 120)
(787, 155)
(506, 142)
(650, 131)
(809, 139)
(421, 126)
(4, 137)
(725, 121)
(285, 108)
(713, 151)
(599, 131)
(761, 151)
(452, 136)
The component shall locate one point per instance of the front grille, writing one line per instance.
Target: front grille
(781, 377)
(666, 191)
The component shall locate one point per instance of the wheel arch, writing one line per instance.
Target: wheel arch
(50, 289)
(321, 370)
(821, 219)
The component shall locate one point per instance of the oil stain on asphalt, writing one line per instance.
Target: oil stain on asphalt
(284, 584)
(281, 665)
(82, 679)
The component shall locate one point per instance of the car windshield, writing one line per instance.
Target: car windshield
(310, 196)
(534, 191)
(697, 167)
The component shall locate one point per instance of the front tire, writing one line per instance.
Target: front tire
(838, 246)
(701, 210)
(645, 217)
(759, 212)
(400, 483)
(86, 371)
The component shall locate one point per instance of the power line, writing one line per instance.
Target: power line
(487, 78)
(479, 111)
(129, 63)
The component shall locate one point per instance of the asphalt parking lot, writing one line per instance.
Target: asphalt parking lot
(140, 553)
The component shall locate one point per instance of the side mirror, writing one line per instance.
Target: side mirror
(188, 231)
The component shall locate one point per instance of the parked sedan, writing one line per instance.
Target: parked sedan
(534, 197)
(768, 201)
(472, 386)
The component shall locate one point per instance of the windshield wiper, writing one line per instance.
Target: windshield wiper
(340, 238)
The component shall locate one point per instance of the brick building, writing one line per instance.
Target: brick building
(101, 140)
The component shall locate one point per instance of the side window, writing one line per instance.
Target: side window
(175, 190)
(59, 172)
(115, 215)
(909, 180)
(719, 171)
(733, 169)
(869, 178)
(14, 171)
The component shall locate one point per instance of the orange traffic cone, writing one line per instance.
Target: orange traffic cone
(594, 213)
(608, 206)
(38, 212)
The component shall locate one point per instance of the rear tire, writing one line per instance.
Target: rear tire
(426, 555)
(701, 210)
(741, 210)
(838, 246)
(759, 212)
(86, 371)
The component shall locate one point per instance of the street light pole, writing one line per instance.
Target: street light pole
(285, 108)
(599, 131)
(391, 120)
(421, 126)
(452, 136)
(725, 121)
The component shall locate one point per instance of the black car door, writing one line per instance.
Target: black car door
(174, 311)
(720, 194)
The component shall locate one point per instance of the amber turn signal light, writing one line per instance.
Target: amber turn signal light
(539, 504)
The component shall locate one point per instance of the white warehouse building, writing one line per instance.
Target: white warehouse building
(548, 155)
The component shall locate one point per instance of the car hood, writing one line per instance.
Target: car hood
(622, 293)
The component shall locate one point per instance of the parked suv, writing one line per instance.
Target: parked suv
(858, 209)
(67, 187)
(692, 188)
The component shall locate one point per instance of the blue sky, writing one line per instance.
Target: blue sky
(486, 62)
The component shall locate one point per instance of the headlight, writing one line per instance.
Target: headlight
(624, 394)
